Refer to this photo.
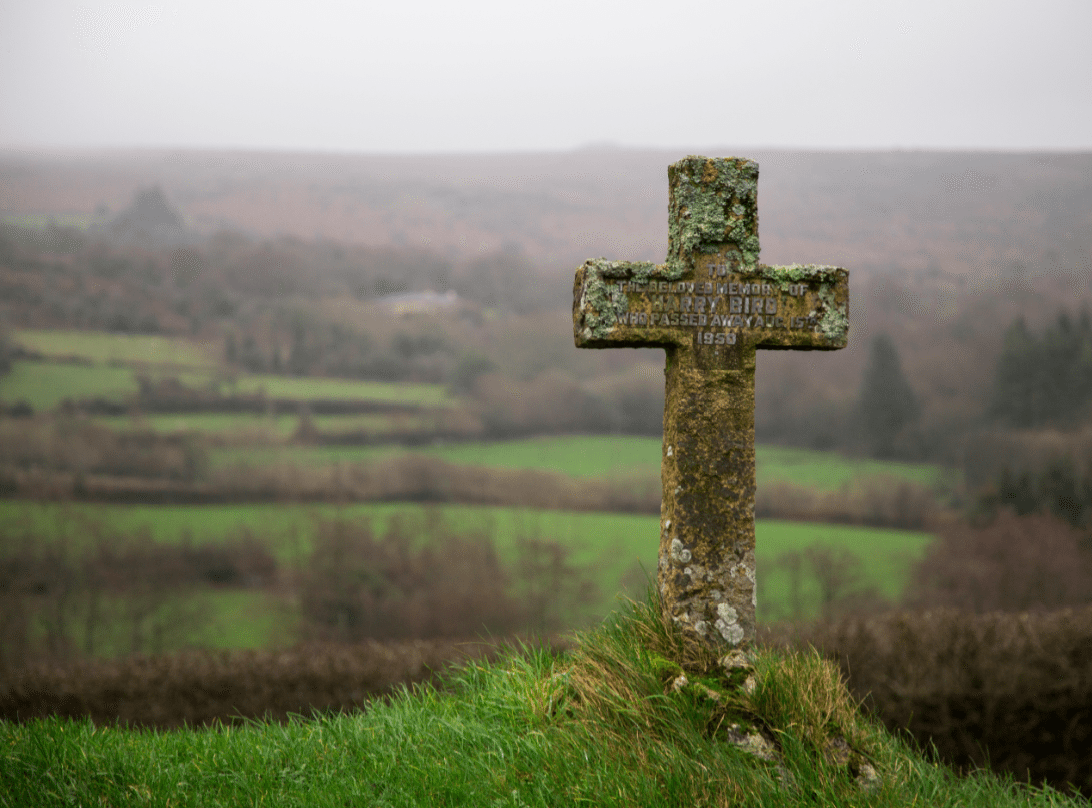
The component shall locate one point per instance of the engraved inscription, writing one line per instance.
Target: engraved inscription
(710, 305)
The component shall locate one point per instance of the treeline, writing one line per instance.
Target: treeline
(1038, 381)
(1045, 380)
(1032, 472)
(63, 277)
(92, 592)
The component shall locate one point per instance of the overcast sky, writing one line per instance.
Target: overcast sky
(506, 75)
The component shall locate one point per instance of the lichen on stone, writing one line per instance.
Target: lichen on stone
(728, 624)
(835, 322)
(799, 273)
(600, 309)
(713, 201)
(679, 553)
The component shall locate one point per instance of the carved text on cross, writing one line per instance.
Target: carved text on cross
(710, 306)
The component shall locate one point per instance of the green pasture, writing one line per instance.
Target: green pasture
(104, 348)
(830, 471)
(576, 456)
(618, 548)
(44, 385)
(218, 618)
(588, 456)
(264, 427)
(206, 618)
(241, 425)
(308, 388)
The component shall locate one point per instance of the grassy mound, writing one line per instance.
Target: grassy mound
(631, 716)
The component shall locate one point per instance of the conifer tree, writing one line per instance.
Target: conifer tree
(1044, 381)
(887, 406)
(6, 350)
(1017, 397)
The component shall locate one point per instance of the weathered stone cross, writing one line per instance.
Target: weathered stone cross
(710, 306)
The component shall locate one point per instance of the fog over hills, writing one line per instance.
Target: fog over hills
(953, 213)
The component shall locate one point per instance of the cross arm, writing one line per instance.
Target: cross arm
(607, 310)
(813, 302)
(641, 304)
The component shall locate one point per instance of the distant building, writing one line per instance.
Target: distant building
(425, 302)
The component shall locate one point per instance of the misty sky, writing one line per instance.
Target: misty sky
(505, 75)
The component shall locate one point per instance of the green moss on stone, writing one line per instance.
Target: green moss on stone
(834, 323)
(713, 201)
(799, 273)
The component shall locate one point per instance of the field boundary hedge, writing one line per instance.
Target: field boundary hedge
(205, 687)
(1011, 692)
(885, 502)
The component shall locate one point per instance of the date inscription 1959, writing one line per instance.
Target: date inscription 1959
(716, 308)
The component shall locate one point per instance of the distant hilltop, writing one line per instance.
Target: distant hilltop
(964, 213)
(149, 221)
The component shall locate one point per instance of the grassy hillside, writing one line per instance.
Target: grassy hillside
(629, 717)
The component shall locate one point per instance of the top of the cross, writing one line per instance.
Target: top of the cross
(713, 209)
(711, 291)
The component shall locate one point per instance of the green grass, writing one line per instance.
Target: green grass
(603, 456)
(305, 388)
(576, 456)
(615, 546)
(278, 427)
(830, 471)
(44, 385)
(601, 726)
(245, 618)
(205, 618)
(102, 348)
(887, 558)
(272, 427)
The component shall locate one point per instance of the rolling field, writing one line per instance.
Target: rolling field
(44, 385)
(243, 425)
(302, 389)
(618, 549)
(108, 364)
(103, 348)
(590, 456)
(614, 546)
(260, 428)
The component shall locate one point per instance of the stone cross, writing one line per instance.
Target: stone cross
(710, 306)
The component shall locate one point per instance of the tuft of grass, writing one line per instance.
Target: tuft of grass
(607, 724)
